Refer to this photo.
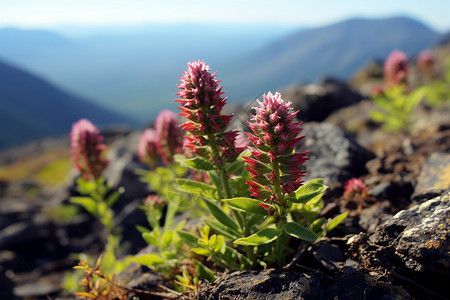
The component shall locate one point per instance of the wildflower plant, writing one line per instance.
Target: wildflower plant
(97, 196)
(259, 185)
(157, 148)
(355, 188)
(254, 199)
(397, 101)
(436, 86)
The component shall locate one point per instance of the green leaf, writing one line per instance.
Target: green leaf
(378, 116)
(246, 205)
(87, 203)
(142, 229)
(336, 221)
(299, 231)
(255, 220)
(316, 225)
(151, 239)
(204, 272)
(114, 197)
(264, 236)
(196, 163)
(234, 166)
(167, 239)
(201, 251)
(314, 180)
(215, 178)
(220, 215)
(195, 187)
(85, 186)
(222, 229)
(147, 260)
(308, 191)
(188, 238)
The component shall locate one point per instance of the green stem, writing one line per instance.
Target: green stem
(249, 250)
(223, 177)
(281, 219)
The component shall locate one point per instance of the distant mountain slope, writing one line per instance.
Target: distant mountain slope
(136, 72)
(336, 50)
(32, 108)
(132, 70)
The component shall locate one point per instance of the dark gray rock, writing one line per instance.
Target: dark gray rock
(374, 215)
(121, 172)
(329, 255)
(42, 287)
(420, 236)
(268, 284)
(434, 178)
(278, 284)
(364, 285)
(6, 285)
(334, 155)
(414, 243)
(318, 101)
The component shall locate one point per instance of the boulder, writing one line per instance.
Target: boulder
(415, 243)
(434, 178)
(318, 101)
(334, 155)
(268, 284)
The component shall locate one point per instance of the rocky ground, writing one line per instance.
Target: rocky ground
(394, 244)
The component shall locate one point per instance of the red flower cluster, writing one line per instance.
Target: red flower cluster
(148, 147)
(202, 102)
(396, 68)
(169, 136)
(87, 149)
(275, 135)
(355, 188)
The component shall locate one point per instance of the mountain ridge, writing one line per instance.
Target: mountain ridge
(339, 48)
(33, 108)
(140, 79)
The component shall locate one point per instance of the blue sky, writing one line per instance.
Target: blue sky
(49, 13)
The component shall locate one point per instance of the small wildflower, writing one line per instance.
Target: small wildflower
(425, 62)
(87, 149)
(396, 68)
(148, 147)
(275, 135)
(169, 135)
(377, 90)
(155, 201)
(355, 188)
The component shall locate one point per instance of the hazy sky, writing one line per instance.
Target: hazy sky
(47, 13)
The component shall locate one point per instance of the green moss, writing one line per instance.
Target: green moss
(55, 173)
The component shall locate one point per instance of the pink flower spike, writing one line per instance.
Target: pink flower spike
(202, 104)
(275, 135)
(396, 68)
(148, 147)
(170, 138)
(426, 62)
(87, 149)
